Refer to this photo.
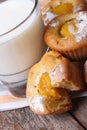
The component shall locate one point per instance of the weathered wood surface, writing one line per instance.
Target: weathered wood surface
(80, 110)
(24, 119)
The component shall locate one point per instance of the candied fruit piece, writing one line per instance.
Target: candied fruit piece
(44, 84)
(68, 28)
(45, 87)
(63, 8)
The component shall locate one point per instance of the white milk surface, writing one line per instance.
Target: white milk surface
(13, 12)
(22, 47)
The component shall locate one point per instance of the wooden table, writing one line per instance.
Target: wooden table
(25, 119)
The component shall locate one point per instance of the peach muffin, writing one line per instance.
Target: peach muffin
(53, 8)
(67, 34)
(50, 82)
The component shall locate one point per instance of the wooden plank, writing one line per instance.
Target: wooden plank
(80, 110)
(17, 127)
(4, 123)
(27, 120)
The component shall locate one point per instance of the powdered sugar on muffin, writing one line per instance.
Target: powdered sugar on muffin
(82, 26)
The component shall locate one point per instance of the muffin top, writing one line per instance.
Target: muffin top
(54, 8)
(67, 31)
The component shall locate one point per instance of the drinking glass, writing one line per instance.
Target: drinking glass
(21, 39)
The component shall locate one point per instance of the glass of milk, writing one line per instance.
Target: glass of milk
(21, 39)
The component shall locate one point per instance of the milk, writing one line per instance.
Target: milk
(23, 46)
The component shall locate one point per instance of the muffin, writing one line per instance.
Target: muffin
(67, 34)
(50, 82)
(53, 8)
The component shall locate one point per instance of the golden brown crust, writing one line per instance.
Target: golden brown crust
(64, 76)
(73, 46)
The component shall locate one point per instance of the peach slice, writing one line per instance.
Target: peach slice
(45, 88)
(63, 8)
(68, 28)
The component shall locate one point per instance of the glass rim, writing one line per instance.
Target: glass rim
(34, 7)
